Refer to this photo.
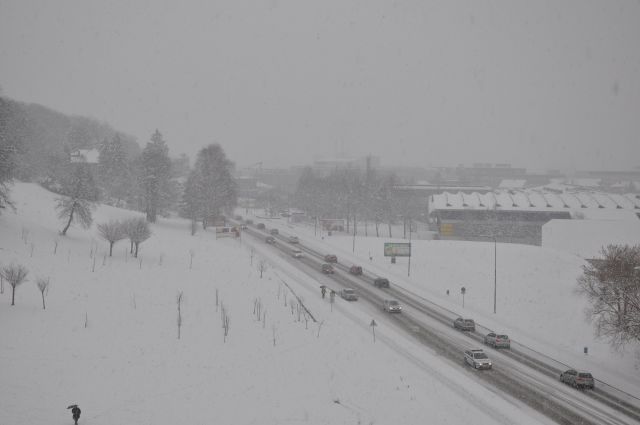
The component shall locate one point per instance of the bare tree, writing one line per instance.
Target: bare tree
(112, 231)
(42, 284)
(137, 230)
(15, 275)
(224, 316)
(612, 286)
(179, 302)
(79, 195)
(262, 267)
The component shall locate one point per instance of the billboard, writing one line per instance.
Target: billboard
(394, 249)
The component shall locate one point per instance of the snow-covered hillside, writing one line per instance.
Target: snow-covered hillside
(108, 338)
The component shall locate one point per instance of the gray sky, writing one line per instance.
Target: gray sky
(533, 83)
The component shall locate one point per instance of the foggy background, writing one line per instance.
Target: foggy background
(535, 84)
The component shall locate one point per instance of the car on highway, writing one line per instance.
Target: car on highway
(391, 306)
(274, 231)
(497, 341)
(238, 217)
(381, 282)
(296, 253)
(578, 379)
(477, 359)
(270, 239)
(248, 221)
(349, 294)
(355, 270)
(327, 268)
(260, 226)
(330, 258)
(293, 239)
(464, 324)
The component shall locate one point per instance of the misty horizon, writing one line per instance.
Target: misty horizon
(283, 83)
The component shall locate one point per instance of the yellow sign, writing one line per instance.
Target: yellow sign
(446, 229)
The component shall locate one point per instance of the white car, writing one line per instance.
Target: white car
(477, 359)
(391, 306)
(296, 253)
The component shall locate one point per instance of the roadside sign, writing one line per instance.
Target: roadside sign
(397, 249)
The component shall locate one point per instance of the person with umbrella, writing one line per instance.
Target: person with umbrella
(75, 411)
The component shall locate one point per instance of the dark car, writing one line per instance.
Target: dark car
(349, 294)
(381, 282)
(577, 379)
(238, 217)
(330, 258)
(355, 270)
(464, 324)
(497, 341)
(391, 306)
(270, 239)
(327, 268)
(274, 231)
(248, 221)
(260, 226)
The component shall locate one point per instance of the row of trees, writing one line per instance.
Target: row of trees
(136, 229)
(354, 196)
(152, 183)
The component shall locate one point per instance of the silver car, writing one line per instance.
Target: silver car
(477, 359)
(497, 341)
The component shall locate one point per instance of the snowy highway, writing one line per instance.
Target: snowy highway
(515, 373)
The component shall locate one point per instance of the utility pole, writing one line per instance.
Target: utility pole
(354, 233)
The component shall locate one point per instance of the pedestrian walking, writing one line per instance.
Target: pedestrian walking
(75, 412)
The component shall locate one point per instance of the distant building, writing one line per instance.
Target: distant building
(89, 156)
(325, 166)
(518, 215)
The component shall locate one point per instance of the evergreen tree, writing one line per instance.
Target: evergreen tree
(113, 169)
(11, 120)
(79, 192)
(210, 188)
(154, 176)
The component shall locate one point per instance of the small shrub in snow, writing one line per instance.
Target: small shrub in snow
(42, 285)
(15, 275)
(112, 232)
(262, 267)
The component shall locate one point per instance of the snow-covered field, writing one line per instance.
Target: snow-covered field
(108, 338)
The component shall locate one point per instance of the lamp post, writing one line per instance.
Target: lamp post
(495, 269)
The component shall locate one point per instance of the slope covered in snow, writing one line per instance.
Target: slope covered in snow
(108, 338)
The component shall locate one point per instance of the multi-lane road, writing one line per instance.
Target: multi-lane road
(519, 372)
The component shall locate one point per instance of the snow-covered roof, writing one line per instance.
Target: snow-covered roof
(608, 204)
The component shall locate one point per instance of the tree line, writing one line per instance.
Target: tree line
(149, 181)
(355, 196)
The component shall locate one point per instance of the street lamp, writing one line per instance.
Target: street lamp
(495, 269)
